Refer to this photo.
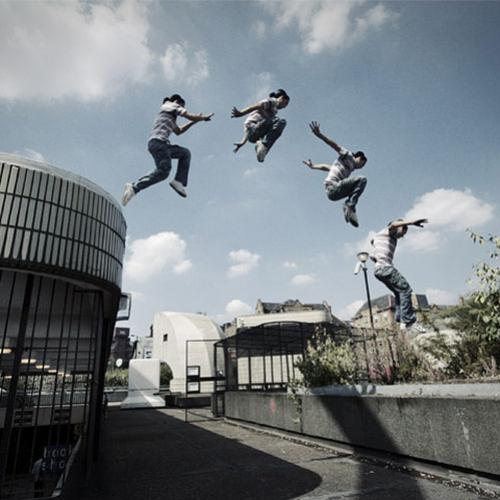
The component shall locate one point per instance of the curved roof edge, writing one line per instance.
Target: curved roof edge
(64, 174)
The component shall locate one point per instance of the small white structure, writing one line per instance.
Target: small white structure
(143, 385)
(171, 333)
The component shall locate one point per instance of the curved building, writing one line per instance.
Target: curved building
(62, 240)
(185, 339)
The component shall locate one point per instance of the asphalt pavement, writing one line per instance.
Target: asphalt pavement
(154, 454)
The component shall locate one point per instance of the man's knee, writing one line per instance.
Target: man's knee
(281, 123)
(186, 154)
(362, 180)
(163, 170)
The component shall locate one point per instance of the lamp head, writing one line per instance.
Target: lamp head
(362, 256)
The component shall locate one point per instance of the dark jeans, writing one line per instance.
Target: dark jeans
(267, 130)
(350, 188)
(401, 289)
(163, 154)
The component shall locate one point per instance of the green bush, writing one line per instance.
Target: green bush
(116, 378)
(327, 362)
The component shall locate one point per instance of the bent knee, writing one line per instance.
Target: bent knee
(362, 180)
(282, 122)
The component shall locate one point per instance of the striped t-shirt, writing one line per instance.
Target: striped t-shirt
(342, 168)
(384, 243)
(165, 120)
(268, 109)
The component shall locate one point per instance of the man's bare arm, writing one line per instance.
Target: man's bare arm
(236, 113)
(413, 222)
(317, 166)
(193, 119)
(314, 126)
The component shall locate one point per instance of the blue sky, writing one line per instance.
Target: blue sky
(413, 84)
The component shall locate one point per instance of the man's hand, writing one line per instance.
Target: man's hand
(308, 163)
(207, 118)
(420, 222)
(236, 113)
(314, 126)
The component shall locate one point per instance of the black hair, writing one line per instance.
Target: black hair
(279, 93)
(360, 154)
(175, 97)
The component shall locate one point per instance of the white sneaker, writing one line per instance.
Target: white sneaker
(128, 193)
(261, 151)
(416, 328)
(179, 188)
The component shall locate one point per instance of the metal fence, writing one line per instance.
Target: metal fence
(265, 358)
(51, 335)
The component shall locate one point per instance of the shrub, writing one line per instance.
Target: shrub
(116, 378)
(327, 362)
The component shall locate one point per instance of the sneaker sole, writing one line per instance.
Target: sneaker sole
(180, 193)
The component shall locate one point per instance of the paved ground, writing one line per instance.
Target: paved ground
(153, 454)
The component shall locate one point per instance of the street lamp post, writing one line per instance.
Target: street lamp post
(362, 258)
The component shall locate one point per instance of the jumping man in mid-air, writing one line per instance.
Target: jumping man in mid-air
(338, 184)
(163, 152)
(262, 126)
(384, 243)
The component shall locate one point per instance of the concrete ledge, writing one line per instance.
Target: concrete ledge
(454, 431)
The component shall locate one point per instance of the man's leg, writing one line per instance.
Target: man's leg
(257, 131)
(160, 152)
(350, 188)
(184, 157)
(397, 283)
(276, 129)
(357, 186)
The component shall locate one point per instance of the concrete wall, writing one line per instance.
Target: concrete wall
(460, 432)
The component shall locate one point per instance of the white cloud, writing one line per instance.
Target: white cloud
(448, 211)
(139, 296)
(261, 85)
(303, 279)
(237, 307)
(148, 257)
(31, 154)
(364, 245)
(250, 172)
(422, 240)
(182, 63)
(441, 297)
(243, 262)
(327, 25)
(54, 50)
(290, 265)
(451, 209)
(259, 29)
(350, 310)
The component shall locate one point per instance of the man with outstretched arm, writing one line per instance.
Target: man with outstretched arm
(384, 243)
(338, 183)
(163, 151)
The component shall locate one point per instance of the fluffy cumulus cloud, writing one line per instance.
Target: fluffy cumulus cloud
(451, 209)
(448, 211)
(237, 307)
(327, 25)
(441, 297)
(87, 51)
(149, 256)
(183, 63)
(350, 310)
(243, 261)
(303, 279)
